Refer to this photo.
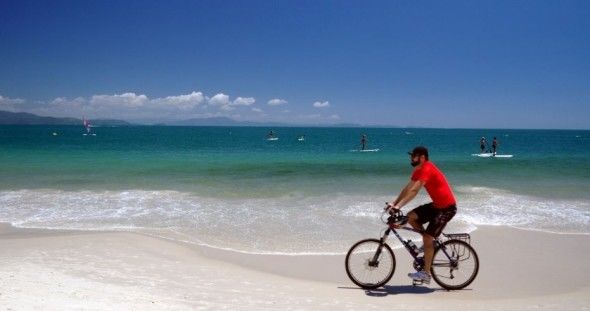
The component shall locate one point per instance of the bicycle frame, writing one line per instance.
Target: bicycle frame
(420, 260)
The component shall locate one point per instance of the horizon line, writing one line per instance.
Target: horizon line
(276, 124)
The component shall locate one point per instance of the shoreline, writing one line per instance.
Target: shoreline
(518, 268)
(7, 229)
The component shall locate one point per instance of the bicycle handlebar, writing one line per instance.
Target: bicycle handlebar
(392, 212)
(396, 216)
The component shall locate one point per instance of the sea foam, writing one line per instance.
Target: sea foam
(291, 224)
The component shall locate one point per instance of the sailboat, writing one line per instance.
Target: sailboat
(88, 127)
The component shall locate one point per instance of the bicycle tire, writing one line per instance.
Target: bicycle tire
(361, 272)
(442, 270)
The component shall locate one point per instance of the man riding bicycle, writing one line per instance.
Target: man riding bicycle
(437, 213)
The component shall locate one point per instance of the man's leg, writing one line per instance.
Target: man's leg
(434, 229)
(416, 218)
(426, 238)
(428, 251)
(413, 221)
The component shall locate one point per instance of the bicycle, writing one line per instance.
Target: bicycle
(370, 263)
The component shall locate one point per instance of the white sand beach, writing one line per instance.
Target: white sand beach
(67, 270)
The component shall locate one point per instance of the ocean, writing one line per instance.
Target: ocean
(230, 188)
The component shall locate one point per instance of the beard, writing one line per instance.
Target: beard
(414, 163)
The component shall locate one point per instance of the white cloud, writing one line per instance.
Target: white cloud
(139, 107)
(241, 101)
(126, 106)
(276, 102)
(319, 104)
(224, 103)
(10, 104)
(182, 102)
(125, 100)
(219, 100)
(7, 100)
(63, 102)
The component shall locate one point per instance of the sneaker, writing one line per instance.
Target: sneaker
(420, 276)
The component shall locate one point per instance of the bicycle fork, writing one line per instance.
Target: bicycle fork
(374, 262)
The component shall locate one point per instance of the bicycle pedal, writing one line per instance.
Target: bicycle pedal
(417, 282)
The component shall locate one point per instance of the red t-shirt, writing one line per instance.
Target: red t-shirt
(435, 183)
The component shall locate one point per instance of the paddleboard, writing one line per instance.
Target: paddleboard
(301, 139)
(366, 150)
(273, 138)
(491, 155)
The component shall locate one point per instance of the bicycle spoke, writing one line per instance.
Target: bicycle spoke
(458, 271)
(360, 266)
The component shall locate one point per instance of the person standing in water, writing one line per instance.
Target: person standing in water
(363, 142)
(482, 144)
(494, 145)
(270, 134)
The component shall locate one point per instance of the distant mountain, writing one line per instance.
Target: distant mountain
(24, 118)
(224, 121)
(216, 121)
(7, 117)
(109, 122)
(346, 125)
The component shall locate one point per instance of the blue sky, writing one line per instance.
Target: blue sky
(482, 64)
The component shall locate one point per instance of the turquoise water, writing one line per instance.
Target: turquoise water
(190, 182)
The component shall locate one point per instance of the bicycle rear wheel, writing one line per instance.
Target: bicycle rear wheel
(362, 268)
(458, 271)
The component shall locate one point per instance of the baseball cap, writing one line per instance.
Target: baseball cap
(420, 150)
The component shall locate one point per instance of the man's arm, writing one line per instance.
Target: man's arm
(400, 195)
(408, 193)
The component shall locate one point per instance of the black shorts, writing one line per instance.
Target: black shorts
(437, 218)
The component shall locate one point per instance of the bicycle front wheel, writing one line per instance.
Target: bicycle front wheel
(370, 264)
(455, 265)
